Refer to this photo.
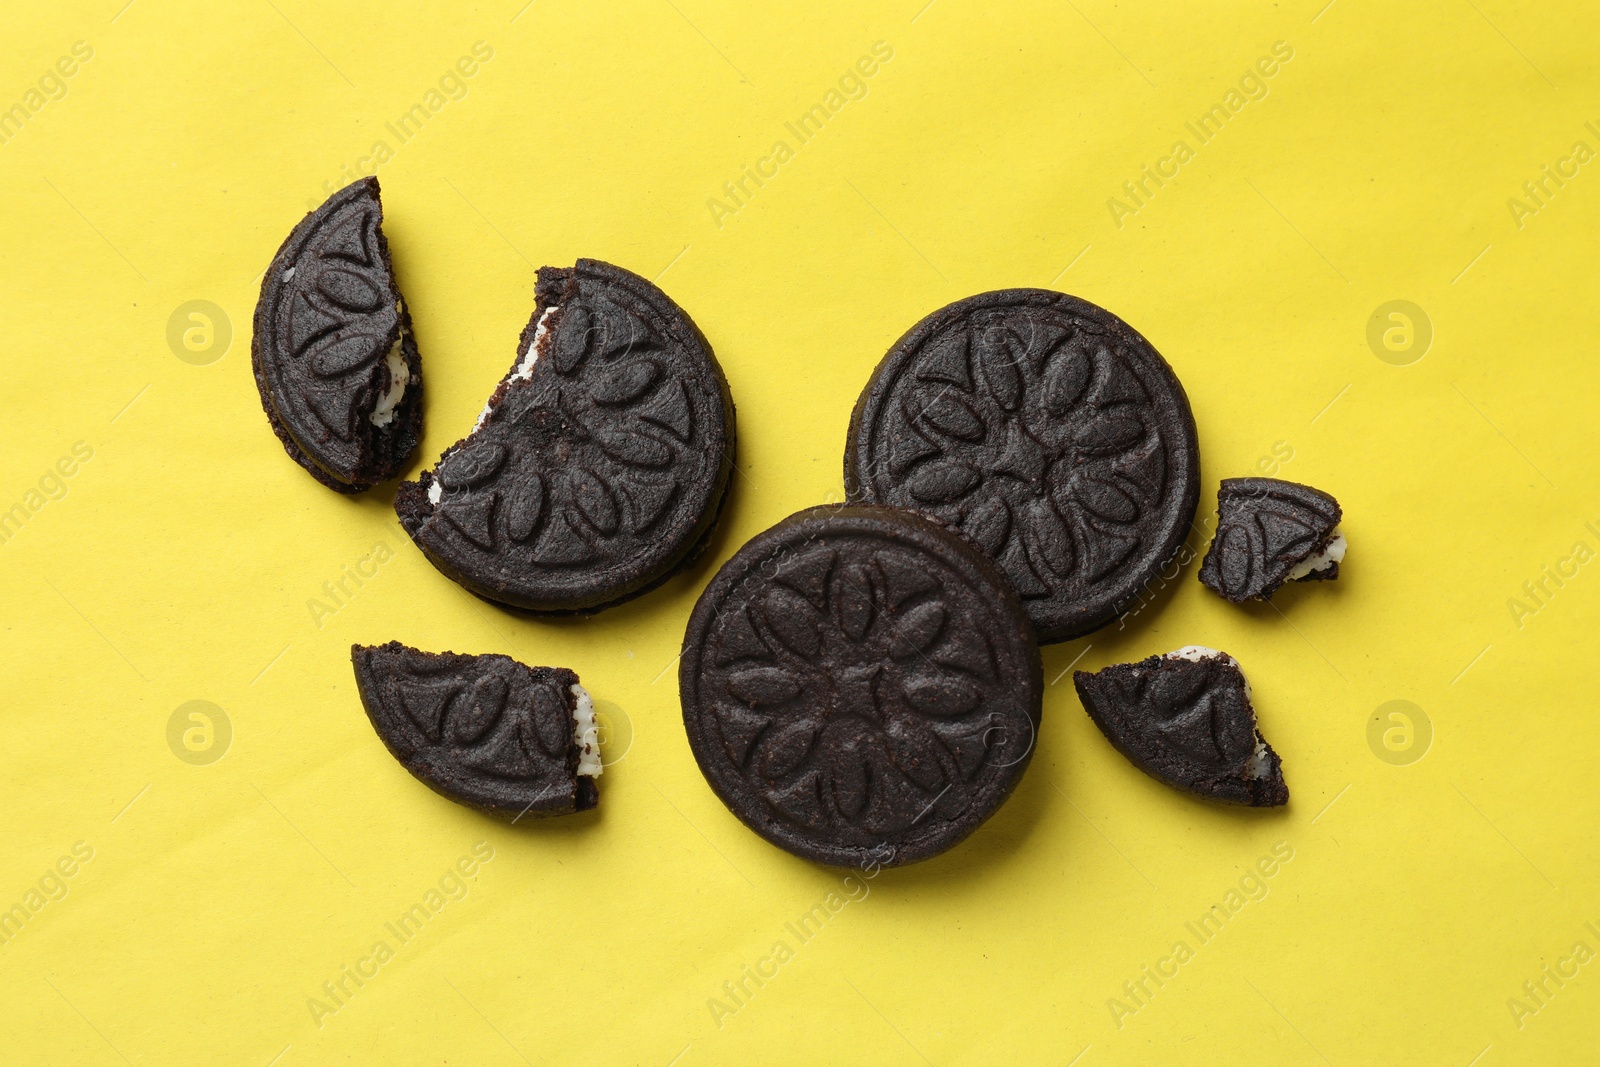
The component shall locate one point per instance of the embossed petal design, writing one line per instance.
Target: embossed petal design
(600, 401)
(860, 681)
(484, 730)
(601, 461)
(1209, 723)
(329, 313)
(1265, 526)
(1186, 720)
(1049, 466)
(1050, 432)
(852, 686)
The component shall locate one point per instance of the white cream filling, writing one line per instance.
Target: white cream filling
(523, 372)
(1323, 560)
(586, 734)
(289, 274)
(524, 369)
(399, 378)
(1259, 766)
(1196, 653)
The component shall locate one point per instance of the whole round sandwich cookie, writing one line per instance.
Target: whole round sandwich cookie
(333, 353)
(861, 683)
(600, 464)
(1048, 430)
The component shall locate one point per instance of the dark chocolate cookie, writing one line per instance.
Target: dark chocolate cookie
(1269, 532)
(1185, 719)
(600, 465)
(1047, 429)
(485, 731)
(860, 682)
(333, 352)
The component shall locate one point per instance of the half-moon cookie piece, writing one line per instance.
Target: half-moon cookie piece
(485, 731)
(599, 466)
(1269, 532)
(1185, 719)
(861, 683)
(1048, 430)
(333, 352)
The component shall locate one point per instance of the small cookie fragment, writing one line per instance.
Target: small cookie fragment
(333, 353)
(600, 464)
(861, 683)
(1185, 719)
(485, 731)
(1269, 532)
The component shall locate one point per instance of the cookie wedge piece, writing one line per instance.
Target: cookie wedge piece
(601, 463)
(1185, 719)
(333, 352)
(1269, 532)
(486, 731)
(861, 684)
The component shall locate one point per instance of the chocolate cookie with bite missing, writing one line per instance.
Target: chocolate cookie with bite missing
(600, 465)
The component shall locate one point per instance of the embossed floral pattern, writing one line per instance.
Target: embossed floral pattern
(476, 717)
(339, 318)
(599, 461)
(858, 688)
(329, 314)
(483, 729)
(1265, 527)
(1186, 719)
(1201, 713)
(1051, 433)
(588, 444)
(1049, 465)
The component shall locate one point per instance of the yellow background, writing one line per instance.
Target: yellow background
(180, 562)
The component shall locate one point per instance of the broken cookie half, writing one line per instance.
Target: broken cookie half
(1185, 719)
(485, 731)
(1269, 532)
(333, 352)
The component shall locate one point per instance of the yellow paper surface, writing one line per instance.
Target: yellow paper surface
(1425, 153)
